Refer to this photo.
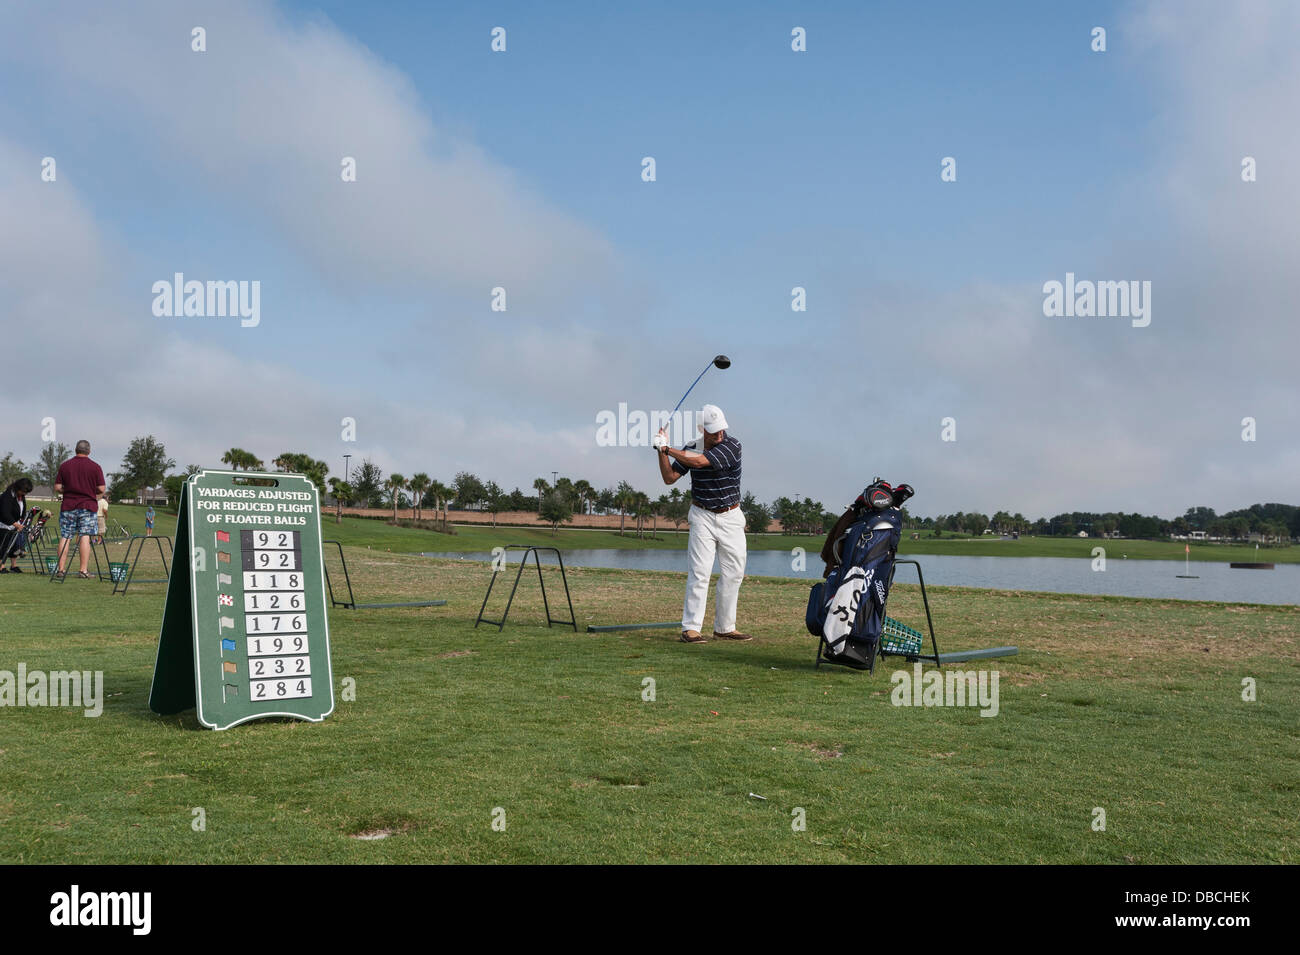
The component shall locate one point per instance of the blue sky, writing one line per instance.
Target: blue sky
(756, 141)
(775, 169)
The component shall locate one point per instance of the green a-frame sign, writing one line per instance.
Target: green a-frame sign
(245, 631)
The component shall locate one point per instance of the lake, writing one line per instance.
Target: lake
(1062, 575)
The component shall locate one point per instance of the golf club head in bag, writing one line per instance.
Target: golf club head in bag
(881, 495)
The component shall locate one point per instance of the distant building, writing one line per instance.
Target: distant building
(148, 495)
(1197, 535)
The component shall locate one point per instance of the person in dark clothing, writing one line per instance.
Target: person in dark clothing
(13, 539)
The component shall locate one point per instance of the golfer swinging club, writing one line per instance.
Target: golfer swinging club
(716, 521)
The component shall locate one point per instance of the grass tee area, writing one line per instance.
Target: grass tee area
(1132, 706)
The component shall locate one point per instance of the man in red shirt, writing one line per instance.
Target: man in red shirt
(81, 482)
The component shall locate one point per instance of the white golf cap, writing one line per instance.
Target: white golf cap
(712, 420)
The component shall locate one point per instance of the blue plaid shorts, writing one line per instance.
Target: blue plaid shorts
(80, 521)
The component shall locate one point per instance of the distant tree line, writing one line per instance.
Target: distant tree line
(145, 464)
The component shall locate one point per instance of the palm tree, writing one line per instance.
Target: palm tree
(583, 490)
(541, 487)
(644, 508)
(340, 490)
(624, 498)
(604, 499)
(418, 484)
(676, 508)
(663, 508)
(440, 494)
(395, 484)
(238, 459)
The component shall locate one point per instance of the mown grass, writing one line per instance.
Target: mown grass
(1133, 706)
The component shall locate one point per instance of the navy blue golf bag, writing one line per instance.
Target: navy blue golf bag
(847, 609)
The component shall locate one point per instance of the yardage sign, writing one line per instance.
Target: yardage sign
(245, 633)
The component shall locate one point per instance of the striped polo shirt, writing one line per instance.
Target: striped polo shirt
(718, 485)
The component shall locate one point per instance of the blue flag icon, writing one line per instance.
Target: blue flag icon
(227, 644)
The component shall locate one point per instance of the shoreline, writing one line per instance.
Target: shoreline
(955, 589)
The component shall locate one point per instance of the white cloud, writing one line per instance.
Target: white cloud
(265, 117)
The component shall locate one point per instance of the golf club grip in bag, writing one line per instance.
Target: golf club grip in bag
(847, 609)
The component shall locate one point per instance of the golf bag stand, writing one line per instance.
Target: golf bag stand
(120, 586)
(9, 540)
(30, 529)
(73, 553)
(36, 541)
(351, 602)
(527, 549)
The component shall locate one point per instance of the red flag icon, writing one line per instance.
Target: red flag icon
(223, 537)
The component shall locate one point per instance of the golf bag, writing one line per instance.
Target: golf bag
(31, 525)
(847, 610)
(36, 525)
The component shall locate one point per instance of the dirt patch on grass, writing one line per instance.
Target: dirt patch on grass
(375, 832)
(819, 751)
(623, 782)
(1021, 677)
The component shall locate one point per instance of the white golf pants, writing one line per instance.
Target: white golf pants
(725, 534)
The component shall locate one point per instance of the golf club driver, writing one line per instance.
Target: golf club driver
(719, 361)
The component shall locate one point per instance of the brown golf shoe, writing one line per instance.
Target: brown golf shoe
(693, 636)
(734, 635)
